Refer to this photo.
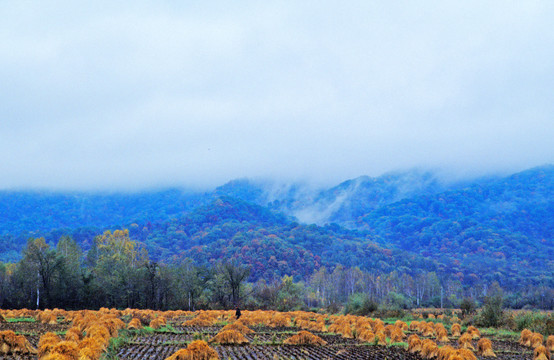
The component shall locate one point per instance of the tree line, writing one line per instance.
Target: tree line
(117, 272)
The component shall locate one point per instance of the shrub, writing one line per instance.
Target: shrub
(360, 304)
(492, 314)
(468, 307)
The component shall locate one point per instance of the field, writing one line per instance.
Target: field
(135, 334)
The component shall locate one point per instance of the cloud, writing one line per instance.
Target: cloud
(111, 96)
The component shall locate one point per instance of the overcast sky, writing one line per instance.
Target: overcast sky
(109, 96)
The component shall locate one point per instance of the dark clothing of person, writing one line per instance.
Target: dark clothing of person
(237, 313)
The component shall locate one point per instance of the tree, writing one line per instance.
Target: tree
(233, 275)
(70, 283)
(120, 268)
(191, 281)
(42, 263)
(492, 313)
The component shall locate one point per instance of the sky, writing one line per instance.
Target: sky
(133, 95)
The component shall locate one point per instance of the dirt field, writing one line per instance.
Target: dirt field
(265, 343)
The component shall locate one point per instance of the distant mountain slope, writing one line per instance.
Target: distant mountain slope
(271, 243)
(341, 204)
(499, 229)
(506, 225)
(33, 211)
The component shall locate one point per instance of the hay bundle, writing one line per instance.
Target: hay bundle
(446, 353)
(196, 350)
(429, 349)
(550, 343)
(464, 342)
(114, 325)
(134, 324)
(278, 320)
(203, 319)
(536, 340)
(397, 335)
(442, 335)
(378, 327)
(182, 354)
(456, 330)
(428, 330)
(2, 319)
(201, 351)
(64, 350)
(90, 349)
(158, 322)
(305, 338)
(229, 337)
(318, 325)
(345, 329)
(49, 318)
(541, 353)
(401, 324)
(484, 348)
(10, 342)
(474, 332)
(431, 316)
(414, 344)
(525, 338)
(238, 326)
(99, 332)
(73, 334)
(337, 326)
(46, 343)
(367, 336)
(466, 354)
(381, 338)
(413, 326)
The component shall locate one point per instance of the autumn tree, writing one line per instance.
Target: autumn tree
(41, 263)
(70, 275)
(119, 269)
(233, 275)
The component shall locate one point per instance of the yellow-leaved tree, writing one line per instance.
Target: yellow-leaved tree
(120, 268)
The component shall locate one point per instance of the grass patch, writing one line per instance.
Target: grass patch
(400, 344)
(22, 319)
(115, 344)
(166, 329)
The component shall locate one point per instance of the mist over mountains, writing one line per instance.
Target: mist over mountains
(494, 229)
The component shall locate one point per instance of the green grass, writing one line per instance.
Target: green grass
(400, 344)
(22, 319)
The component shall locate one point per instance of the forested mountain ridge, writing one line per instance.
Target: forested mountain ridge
(506, 225)
(499, 229)
(270, 243)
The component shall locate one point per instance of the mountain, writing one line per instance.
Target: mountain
(36, 212)
(506, 225)
(341, 204)
(494, 229)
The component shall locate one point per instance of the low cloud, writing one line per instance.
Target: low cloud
(128, 97)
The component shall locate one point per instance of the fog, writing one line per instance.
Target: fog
(109, 96)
